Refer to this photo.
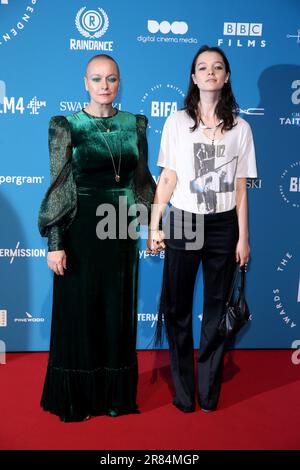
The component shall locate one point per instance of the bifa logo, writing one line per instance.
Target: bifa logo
(177, 27)
(163, 108)
(294, 184)
(242, 29)
(159, 102)
(290, 185)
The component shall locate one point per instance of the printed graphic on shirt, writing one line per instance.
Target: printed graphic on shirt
(214, 175)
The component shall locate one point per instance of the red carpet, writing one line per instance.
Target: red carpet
(259, 408)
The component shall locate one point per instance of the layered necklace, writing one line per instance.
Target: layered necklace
(108, 130)
(214, 130)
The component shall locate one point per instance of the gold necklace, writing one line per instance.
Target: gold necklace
(108, 129)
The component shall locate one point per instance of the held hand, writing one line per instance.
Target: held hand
(155, 241)
(57, 261)
(242, 252)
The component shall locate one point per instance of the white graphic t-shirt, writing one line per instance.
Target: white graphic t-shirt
(206, 173)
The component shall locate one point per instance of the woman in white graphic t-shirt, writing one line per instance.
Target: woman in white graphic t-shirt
(206, 153)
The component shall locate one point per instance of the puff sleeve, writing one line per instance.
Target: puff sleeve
(59, 205)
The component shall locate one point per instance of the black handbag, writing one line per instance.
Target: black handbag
(236, 313)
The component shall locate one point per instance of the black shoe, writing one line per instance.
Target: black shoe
(185, 409)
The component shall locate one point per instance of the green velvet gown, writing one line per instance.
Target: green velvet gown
(92, 367)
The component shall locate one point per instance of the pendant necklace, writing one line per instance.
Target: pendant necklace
(107, 130)
(214, 130)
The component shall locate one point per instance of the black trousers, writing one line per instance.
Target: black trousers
(180, 271)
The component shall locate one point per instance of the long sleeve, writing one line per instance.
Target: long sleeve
(59, 204)
(144, 184)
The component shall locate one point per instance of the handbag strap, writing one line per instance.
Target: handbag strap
(242, 271)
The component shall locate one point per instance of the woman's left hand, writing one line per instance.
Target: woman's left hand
(242, 252)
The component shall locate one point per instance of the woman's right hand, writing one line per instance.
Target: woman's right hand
(57, 261)
(155, 241)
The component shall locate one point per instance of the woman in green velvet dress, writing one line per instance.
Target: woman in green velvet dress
(96, 156)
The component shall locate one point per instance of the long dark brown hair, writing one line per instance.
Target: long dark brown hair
(227, 107)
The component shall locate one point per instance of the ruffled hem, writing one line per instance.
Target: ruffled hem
(74, 395)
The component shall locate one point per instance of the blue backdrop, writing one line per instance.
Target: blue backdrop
(44, 46)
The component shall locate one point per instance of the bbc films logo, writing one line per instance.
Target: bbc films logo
(20, 21)
(159, 102)
(290, 185)
(247, 35)
(92, 25)
(166, 32)
(294, 118)
(19, 105)
(286, 294)
(18, 252)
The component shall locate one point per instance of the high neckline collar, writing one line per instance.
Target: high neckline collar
(100, 117)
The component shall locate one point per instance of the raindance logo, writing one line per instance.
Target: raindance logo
(28, 318)
(297, 36)
(287, 291)
(159, 102)
(242, 30)
(19, 24)
(176, 31)
(92, 24)
(290, 186)
(294, 118)
(22, 253)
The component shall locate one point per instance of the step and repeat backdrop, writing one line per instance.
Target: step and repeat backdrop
(44, 47)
